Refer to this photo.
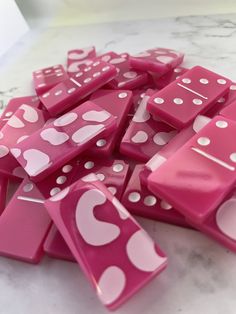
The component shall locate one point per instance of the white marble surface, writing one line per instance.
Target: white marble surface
(201, 277)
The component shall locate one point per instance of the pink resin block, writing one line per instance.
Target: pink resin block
(25, 121)
(113, 174)
(3, 193)
(138, 94)
(168, 78)
(140, 201)
(229, 112)
(126, 77)
(25, 223)
(190, 95)
(78, 59)
(115, 253)
(118, 103)
(222, 102)
(63, 139)
(66, 94)
(160, 60)
(145, 134)
(197, 178)
(169, 149)
(56, 247)
(220, 225)
(45, 79)
(15, 103)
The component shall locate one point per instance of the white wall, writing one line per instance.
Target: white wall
(12, 24)
(91, 11)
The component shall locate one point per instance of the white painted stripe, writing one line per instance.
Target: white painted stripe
(214, 159)
(30, 199)
(75, 82)
(192, 91)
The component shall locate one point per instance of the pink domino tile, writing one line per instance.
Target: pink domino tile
(15, 103)
(25, 223)
(118, 103)
(112, 173)
(115, 253)
(220, 225)
(126, 78)
(124, 55)
(56, 247)
(63, 139)
(222, 102)
(164, 80)
(47, 78)
(141, 202)
(160, 60)
(193, 93)
(3, 193)
(145, 134)
(229, 112)
(78, 59)
(197, 178)
(169, 149)
(68, 93)
(138, 94)
(25, 121)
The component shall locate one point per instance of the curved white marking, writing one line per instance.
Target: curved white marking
(117, 60)
(30, 114)
(81, 54)
(66, 119)
(140, 137)
(59, 196)
(91, 177)
(97, 116)
(111, 284)
(162, 138)
(142, 55)
(87, 132)
(75, 66)
(164, 59)
(4, 150)
(106, 58)
(22, 138)
(93, 231)
(54, 137)
(130, 74)
(36, 161)
(16, 152)
(15, 122)
(141, 252)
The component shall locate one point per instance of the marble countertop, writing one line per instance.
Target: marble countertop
(201, 277)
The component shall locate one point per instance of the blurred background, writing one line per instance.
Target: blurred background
(93, 11)
(18, 16)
